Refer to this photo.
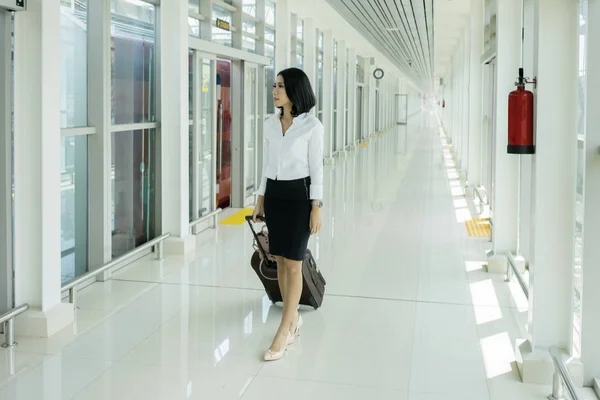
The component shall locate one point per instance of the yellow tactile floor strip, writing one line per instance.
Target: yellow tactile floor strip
(238, 218)
(478, 227)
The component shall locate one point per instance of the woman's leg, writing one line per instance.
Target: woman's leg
(293, 292)
(281, 276)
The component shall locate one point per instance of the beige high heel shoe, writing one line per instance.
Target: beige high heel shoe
(292, 336)
(274, 356)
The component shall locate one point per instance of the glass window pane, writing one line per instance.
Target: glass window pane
(73, 72)
(270, 81)
(580, 188)
(320, 81)
(300, 30)
(270, 12)
(193, 27)
(133, 30)
(220, 35)
(191, 85)
(194, 6)
(249, 7)
(74, 207)
(191, 163)
(249, 44)
(133, 175)
(249, 27)
(270, 35)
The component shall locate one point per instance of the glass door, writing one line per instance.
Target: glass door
(223, 133)
(492, 137)
(250, 132)
(359, 113)
(6, 161)
(203, 125)
(402, 109)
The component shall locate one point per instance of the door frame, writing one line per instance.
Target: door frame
(198, 57)
(6, 165)
(238, 58)
(249, 200)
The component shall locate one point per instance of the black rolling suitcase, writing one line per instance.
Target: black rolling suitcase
(265, 266)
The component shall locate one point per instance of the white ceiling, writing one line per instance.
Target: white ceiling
(420, 36)
(450, 19)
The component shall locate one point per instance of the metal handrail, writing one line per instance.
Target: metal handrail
(8, 320)
(481, 201)
(561, 374)
(157, 243)
(203, 218)
(513, 267)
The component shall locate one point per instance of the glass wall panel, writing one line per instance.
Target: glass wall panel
(73, 54)
(219, 35)
(74, 196)
(249, 7)
(74, 206)
(335, 99)
(270, 77)
(270, 12)
(251, 112)
(249, 43)
(194, 6)
(580, 188)
(320, 75)
(207, 139)
(74, 150)
(193, 27)
(133, 176)
(133, 30)
(270, 36)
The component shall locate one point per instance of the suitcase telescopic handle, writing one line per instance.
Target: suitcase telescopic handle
(249, 219)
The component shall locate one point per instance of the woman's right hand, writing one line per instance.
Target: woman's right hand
(259, 209)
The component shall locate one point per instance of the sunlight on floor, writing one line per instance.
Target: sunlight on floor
(498, 354)
(471, 266)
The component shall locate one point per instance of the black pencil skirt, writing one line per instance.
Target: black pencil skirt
(287, 214)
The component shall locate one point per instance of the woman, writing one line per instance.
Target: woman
(291, 193)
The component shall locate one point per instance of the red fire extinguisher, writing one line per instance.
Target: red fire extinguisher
(443, 103)
(520, 119)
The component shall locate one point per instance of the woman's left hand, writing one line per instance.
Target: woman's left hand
(316, 222)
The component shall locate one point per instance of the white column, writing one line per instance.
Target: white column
(475, 90)
(293, 40)
(352, 98)
(465, 101)
(328, 95)
(551, 263)
(310, 52)
(590, 332)
(37, 169)
(283, 35)
(341, 96)
(175, 127)
(504, 230)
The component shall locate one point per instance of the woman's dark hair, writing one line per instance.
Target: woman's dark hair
(298, 90)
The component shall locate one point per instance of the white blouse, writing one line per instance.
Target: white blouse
(296, 155)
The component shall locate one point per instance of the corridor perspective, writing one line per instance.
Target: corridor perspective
(409, 313)
(449, 149)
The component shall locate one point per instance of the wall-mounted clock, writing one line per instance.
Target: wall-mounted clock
(378, 73)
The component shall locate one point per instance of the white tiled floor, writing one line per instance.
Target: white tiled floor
(408, 315)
